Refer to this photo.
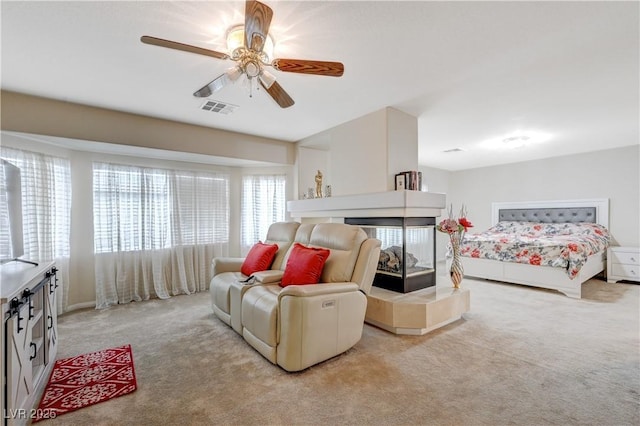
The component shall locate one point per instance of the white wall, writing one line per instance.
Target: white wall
(309, 161)
(437, 180)
(402, 144)
(611, 174)
(358, 152)
(362, 155)
(41, 116)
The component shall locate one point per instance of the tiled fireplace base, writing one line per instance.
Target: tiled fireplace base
(418, 312)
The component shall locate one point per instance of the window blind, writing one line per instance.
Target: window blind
(46, 210)
(263, 203)
(156, 231)
(138, 208)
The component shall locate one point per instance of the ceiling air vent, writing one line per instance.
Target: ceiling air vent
(219, 107)
(454, 150)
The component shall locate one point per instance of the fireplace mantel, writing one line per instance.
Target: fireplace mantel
(378, 204)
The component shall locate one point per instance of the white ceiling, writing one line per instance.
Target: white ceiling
(470, 71)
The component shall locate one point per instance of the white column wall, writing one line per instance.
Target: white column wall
(363, 154)
(402, 144)
(358, 155)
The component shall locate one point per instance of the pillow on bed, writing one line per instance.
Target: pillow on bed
(534, 229)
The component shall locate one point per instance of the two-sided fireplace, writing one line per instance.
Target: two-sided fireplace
(407, 256)
(403, 220)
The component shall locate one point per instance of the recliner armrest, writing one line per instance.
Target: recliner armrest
(270, 276)
(309, 290)
(226, 264)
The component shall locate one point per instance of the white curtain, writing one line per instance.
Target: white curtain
(46, 211)
(156, 231)
(263, 203)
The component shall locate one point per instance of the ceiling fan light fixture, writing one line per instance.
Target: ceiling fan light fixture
(252, 69)
(267, 79)
(235, 40)
(251, 47)
(233, 73)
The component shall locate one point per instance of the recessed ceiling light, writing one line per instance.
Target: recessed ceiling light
(516, 140)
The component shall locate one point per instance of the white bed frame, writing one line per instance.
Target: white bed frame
(542, 276)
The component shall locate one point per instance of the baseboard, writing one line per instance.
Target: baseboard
(78, 306)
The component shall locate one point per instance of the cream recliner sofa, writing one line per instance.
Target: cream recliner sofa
(226, 274)
(298, 326)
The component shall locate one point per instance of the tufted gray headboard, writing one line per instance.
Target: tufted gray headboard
(557, 211)
(549, 215)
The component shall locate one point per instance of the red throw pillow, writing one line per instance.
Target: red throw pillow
(259, 258)
(304, 265)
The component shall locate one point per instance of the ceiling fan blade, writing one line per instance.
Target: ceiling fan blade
(257, 19)
(278, 94)
(217, 84)
(332, 69)
(181, 46)
(229, 76)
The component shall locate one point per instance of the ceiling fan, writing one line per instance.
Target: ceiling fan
(251, 59)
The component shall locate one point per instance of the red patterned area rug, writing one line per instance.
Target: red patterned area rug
(88, 379)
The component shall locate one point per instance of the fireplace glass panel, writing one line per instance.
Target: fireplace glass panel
(407, 255)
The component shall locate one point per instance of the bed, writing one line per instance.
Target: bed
(534, 222)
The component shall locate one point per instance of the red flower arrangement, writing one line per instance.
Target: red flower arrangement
(455, 226)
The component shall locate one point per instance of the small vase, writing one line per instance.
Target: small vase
(456, 272)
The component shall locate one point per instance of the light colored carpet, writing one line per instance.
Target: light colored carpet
(520, 356)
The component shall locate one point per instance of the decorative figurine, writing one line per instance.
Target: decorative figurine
(319, 184)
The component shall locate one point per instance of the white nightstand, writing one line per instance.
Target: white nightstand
(623, 263)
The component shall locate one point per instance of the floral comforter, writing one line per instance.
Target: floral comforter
(564, 245)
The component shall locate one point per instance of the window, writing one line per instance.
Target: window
(137, 208)
(263, 203)
(46, 210)
(156, 231)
